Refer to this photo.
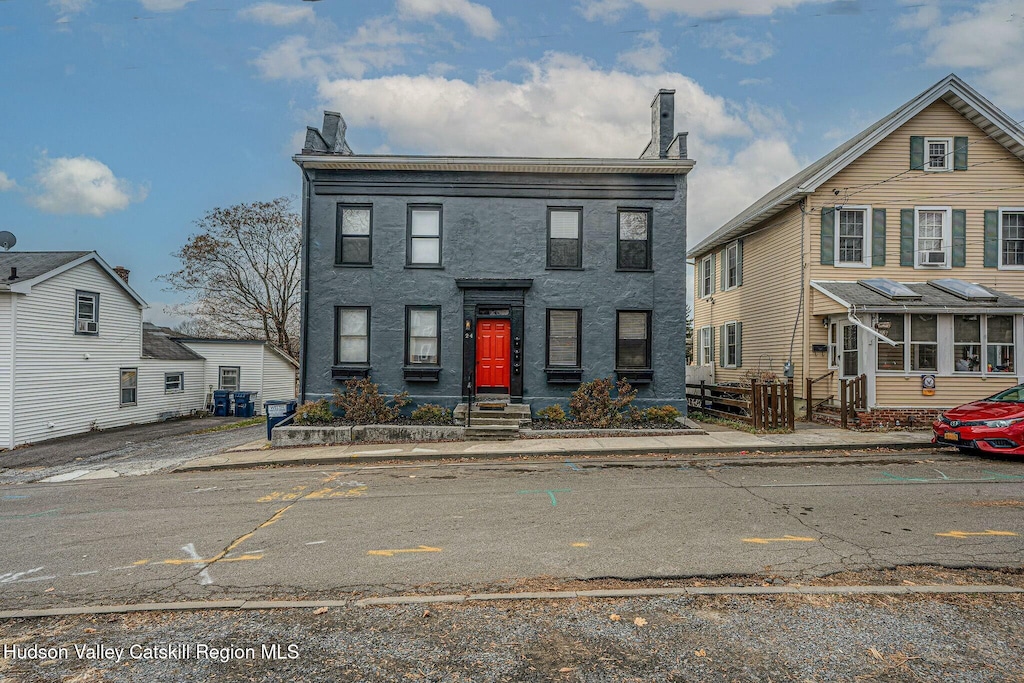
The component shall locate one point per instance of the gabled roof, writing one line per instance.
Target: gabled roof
(160, 343)
(951, 89)
(226, 340)
(38, 266)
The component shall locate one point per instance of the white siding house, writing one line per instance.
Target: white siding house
(76, 356)
(246, 365)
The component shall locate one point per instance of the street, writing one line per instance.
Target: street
(393, 529)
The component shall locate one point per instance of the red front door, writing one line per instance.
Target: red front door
(492, 355)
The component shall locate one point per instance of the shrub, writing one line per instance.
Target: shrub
(661, 414)
(429, 412)
(594, 405)
(553, 413)
(314, 413)
(362, 402)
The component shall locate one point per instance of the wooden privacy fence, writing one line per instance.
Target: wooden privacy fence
(763, 405)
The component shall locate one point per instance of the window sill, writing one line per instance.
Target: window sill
(424, 266)
(564, 375)
(634, 270)
(564, 268)
(421, 374)
(345, 372)
(353, 265)
(128, 405)
(635, 376)
(87, 334)
(851, 264)
(174, 391)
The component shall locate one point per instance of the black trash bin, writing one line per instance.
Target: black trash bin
(277, 412)
(221, 403)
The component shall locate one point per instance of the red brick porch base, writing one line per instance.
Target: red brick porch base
(898, 418)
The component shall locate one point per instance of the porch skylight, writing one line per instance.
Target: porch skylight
(965, 290)
(890, 289)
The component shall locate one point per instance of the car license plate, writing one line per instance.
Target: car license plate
(951, 436)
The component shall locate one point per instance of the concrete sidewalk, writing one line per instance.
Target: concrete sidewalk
(717, 440)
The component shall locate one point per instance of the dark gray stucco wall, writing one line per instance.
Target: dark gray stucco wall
(495, 226)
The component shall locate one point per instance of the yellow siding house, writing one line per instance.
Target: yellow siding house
(899, 257)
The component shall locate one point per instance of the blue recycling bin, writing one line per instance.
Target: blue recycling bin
(221, 403)
(244, 406)
(277, 412)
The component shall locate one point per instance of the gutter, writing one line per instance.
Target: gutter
(503, 164)
(304, 307)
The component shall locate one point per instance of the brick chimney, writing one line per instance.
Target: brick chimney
(122, 273)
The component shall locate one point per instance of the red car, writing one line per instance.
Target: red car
(993, 425)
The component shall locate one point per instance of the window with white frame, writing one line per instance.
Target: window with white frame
(87, 313)
(890, 358)
(999, 343)
(230, 378)
(833, 346)
(967, 343)
(924, 342)
(424, 246)
(850, 355)
(1011, 238)
(933, 236)
(174, 382)
(732, 265)
(564, 338)
(424, 335)
(731, 345)
(353, 334)
(707, 276)
(853, 236)
(938, 154)
(129, 386)
(705, 347)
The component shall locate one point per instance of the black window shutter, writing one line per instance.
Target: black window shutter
(725, 268)
(712, 273)
(991, 238)
(959, 238)
(960, 153)
(916, 152)
(907, 237)
(739, 344)
(828, 235)
(711, 343)
(722, 358)
(878, 237)
(739, 263)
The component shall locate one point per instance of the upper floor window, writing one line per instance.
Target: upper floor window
(564, 243)
(1011, 238)
(853, 236)
(354, 240)
(933, 237)
(732, 265)
(87, 313)
(564, 338)
(633, 340)
(423, 246)
(938, 154)
(707, 276)
(423, 335)
(634, 240)
(352, 327)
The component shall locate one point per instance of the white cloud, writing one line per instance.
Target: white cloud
(611, 10)
(6, 182)
(733, 46)
(276, 14)
(989, 38)
(66, 9)
(566, 106)
(648, 55)
(164, 5)
(477, 18)
(296, 57)
(746, 82)
(80, 185)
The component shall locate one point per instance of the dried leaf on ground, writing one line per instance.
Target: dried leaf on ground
(615, 617)
(701, 652)
(320, 610)
(875, 653)
(640, 621)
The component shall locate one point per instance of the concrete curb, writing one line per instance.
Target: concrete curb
(973, 589)
(568, 453)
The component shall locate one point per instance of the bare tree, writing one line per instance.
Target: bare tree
(242, 274)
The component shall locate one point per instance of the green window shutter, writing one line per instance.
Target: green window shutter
(916, 152)
(739, 263)
(739, 344)
(828, 235)
(907, 237)
(959, 238)
(711, 343)
(960, 153)
(721, 345)
(878, 237)
(712, 274)
(725, 263)
(991, 238)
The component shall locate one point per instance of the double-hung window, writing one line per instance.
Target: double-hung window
(705, 346)
(732, 265)
(999, 343)
(853, 236)
(933, 236)
(924, 343)
(731, 345)
(967, 343)
(354, 239)
(423, 335)
(938, 154)
(352, 326)
(174, 382)
(230, 378)
(634, 240)
(423, 248)
(633, 340)
(564, 338)
(129, 386)
(87, 313)
(1011, 238)
(564, 243)
(893, 326)
(707, 276)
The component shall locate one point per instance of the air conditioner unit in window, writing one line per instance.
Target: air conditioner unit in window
(933, 258)
(87, 326)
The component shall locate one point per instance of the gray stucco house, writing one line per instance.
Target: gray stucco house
(510, 276)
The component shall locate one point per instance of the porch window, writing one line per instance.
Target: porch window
(424, 238)
(999, 343)
(892, 325)
(564, 243)
(833, 346)
(634, 240)
(354, 245)
(129, 386)
(851, 359)
(633, 343)
(353, 335)
(423, 341)
(924, 343)
(967, 343)
(1011, 239)
(705, 346)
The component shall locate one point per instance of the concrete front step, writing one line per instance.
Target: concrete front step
(492, 433)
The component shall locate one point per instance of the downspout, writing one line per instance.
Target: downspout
(788, 369)
(303, 343)
(14, 347)
(851, 315)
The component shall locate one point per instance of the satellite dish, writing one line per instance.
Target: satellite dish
(7, 240)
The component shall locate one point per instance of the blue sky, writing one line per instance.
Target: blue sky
(123, 121)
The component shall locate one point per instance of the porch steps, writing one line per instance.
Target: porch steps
(493, 420)
(492, 432)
